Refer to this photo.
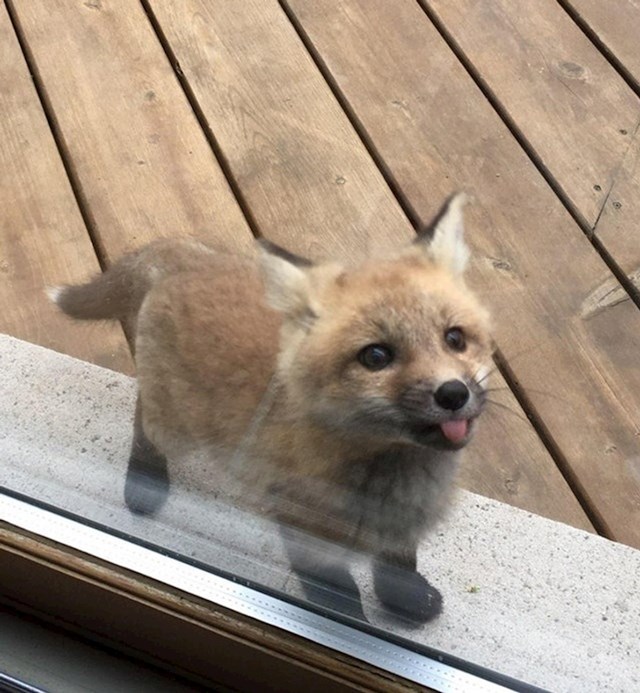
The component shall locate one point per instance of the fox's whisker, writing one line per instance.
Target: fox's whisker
(486, 375)
(499, 356)
(509, 409)
(536, 391)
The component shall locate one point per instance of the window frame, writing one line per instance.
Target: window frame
(103, 601)
(157, 606)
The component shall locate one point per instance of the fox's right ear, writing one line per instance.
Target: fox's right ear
(287, 282)
(443, 239)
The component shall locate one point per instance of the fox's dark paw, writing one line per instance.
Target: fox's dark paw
(406, 593)
(144, 493)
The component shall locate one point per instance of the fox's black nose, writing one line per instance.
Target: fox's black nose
(453, 395)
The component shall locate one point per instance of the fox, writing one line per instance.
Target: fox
(340, 393)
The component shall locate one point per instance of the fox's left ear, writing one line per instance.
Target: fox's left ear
(443, 239)
(287, 283)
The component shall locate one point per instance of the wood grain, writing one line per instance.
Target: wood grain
(434, 131)
(43, 240)
(313, 187)
(570, 104)
(307, 178)
(617, 226)
(615, 23)
(144, 166)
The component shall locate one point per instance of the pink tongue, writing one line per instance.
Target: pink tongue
(455, 431)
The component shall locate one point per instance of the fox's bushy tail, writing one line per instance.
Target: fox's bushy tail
(114, 295)
(118, 293)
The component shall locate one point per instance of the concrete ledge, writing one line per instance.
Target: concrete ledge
(531, 598)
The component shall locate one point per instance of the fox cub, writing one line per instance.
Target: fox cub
(341, 396)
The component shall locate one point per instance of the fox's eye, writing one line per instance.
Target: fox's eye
(454, 337)
(375, 357)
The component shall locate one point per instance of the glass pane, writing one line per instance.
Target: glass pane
(331, 420)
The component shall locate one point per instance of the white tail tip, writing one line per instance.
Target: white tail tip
(54, 293)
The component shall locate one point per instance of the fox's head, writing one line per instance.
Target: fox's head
(397, 349)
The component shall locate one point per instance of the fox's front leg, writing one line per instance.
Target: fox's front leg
(323, 572)
(402, 589)
(147, 484)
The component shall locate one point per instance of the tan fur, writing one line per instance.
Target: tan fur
(279, 395)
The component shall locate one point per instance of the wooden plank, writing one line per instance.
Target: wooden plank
(508, 462)
(434, 130)
(568, 102)
(312, 187)
(43, 240)
(144, 166)
(617, 226)
(295, 156)
(615, 26)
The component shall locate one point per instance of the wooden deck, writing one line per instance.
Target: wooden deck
(336, 126)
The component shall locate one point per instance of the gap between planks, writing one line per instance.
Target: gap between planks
(56, 133)
(572, 479)
(202, 120)
(84, 207)
(607, 52)
(63, 152)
